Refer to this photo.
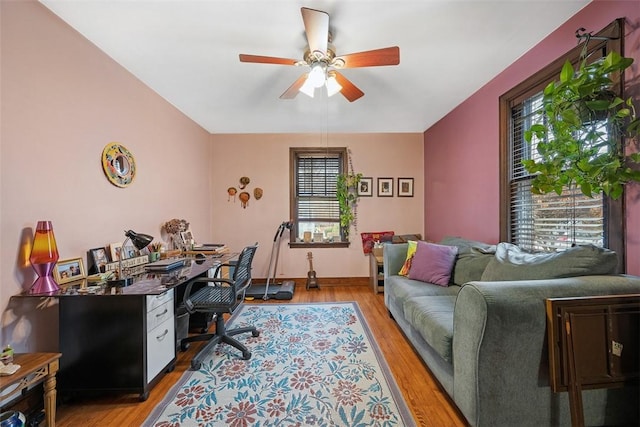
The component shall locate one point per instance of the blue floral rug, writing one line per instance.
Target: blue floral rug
(312, 365)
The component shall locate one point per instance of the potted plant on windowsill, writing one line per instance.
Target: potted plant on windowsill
(347, 194)
(587, 127)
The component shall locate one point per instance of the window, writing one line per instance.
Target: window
(549, 222)
(314, 205)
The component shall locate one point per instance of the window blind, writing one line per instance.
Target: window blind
(546, 222)
(316, 177)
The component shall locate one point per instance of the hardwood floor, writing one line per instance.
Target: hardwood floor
(430, 406)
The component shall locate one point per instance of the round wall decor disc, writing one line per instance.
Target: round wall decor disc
(118, 164)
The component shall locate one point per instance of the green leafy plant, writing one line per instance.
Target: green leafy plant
(585, 121)
(347, 194)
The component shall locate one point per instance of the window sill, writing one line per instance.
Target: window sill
(296, 245)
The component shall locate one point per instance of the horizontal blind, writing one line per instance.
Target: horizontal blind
(316, 178)
(546, 222)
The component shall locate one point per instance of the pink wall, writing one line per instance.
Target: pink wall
(461, 161)
(63, 100)
(265, 159)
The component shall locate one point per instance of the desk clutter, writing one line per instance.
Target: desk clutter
(8, 369)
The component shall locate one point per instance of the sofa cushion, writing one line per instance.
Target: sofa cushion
(411, 250)
(470, 265)
(400, 289)
(432, 317)
(433, 263)
(512, 263)
(472, 259)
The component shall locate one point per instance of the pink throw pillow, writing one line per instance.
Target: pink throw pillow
(433, 263)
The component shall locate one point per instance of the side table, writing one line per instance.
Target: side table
(376, 273)
(34, 368)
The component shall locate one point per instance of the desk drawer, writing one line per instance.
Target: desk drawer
(154, 301)
(161, 347)
(159, 315)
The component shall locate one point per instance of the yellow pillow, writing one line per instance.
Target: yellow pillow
(411, 250)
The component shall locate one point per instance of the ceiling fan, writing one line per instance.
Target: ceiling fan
(321, 58)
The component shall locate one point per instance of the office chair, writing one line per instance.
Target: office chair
(220, 296)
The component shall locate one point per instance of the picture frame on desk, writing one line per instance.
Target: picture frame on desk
(99, 258)
(115, 249)
(129, 251)
(69, 270)
(187, 239)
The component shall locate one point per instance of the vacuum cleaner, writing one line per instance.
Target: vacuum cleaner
(270, 289)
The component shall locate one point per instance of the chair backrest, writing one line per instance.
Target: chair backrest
(242, 271)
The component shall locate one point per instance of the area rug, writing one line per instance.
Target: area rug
(312, 365)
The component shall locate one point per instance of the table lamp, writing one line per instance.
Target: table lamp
(139, 241)
(44, 255)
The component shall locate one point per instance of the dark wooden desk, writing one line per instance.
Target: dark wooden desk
(593, 343)
(34, 368)
(122, 342)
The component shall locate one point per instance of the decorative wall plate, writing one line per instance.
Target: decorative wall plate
(118, 164)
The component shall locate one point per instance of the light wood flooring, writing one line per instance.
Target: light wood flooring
(429, 404)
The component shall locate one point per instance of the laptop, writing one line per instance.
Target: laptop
(165, 264)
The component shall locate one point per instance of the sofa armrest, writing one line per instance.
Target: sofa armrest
(500, 353)
(393, 257)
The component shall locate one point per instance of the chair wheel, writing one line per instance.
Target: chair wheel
(195, 365)
(184, 346)
(255, 333)
(246, 355)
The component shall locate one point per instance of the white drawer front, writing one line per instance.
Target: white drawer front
(161, 347)
(154, 301)
(159, 315)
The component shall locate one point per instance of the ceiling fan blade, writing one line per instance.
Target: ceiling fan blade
(372, 58)
(316, 26)
(267, 59)
(294, 88)
(349, 90)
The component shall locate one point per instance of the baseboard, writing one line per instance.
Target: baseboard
(323, 281)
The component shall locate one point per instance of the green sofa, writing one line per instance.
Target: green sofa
(485, 340)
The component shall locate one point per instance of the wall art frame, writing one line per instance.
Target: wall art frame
(365, 187)
(118, 164)
(405, 187)
(385, 187)
(69, 270)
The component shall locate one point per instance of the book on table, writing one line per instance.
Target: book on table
(165, 264)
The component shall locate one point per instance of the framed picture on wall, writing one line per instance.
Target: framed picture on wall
(365, 188)
(69, 270)
(405, 187)
(385, 187)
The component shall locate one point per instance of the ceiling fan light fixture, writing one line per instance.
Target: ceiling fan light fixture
(308, 88)
(332, 84)
(318, 74)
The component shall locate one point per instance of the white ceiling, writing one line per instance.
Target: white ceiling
(187, 51)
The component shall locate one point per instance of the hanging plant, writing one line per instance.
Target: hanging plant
(586, 124)
(347, 194)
